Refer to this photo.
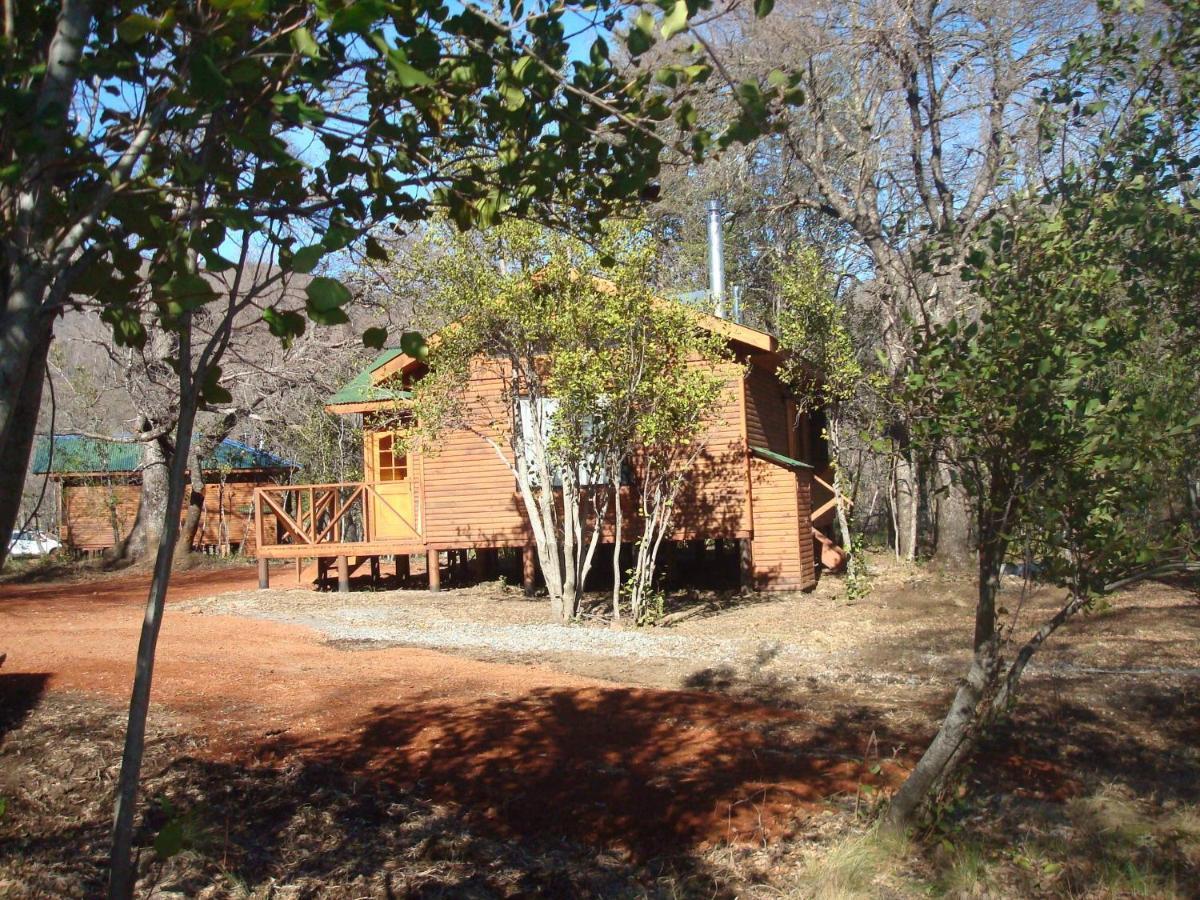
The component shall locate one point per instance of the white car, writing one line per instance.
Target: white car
(32, 543)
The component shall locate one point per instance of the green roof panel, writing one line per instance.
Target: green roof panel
(778, 458)
(76, 453)
(360, 389)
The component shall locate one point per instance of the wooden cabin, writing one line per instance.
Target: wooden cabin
(99, 487)
(753, 484)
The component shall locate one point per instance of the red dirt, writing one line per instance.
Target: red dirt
(523, 748)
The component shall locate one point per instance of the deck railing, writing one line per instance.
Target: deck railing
(318, 514)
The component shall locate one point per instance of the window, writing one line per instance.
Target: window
(391, 466)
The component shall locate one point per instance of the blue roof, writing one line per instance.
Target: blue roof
(76, 453)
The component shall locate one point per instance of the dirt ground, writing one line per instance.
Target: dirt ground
(460, 744)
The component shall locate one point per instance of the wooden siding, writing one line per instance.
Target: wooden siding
(96, 513)
(766, 412)
(713, 502)
(468, 495)
(781, 550)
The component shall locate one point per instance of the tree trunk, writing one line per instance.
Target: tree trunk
(954, 740)
(952, 520)
(618, 521)
(195, 509)
(21, 395)
(146, 533)
(122, 874)
(961, 728)
(907, 501)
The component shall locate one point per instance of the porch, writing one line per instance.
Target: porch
(346, 525)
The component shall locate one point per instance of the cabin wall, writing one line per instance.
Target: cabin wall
(782, 549)
(713, 502)
(781, 499)
(96, 513)
(467, 493)
(470, 498)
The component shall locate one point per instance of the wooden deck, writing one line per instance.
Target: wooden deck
(338, 523)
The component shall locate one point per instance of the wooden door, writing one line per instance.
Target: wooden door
(392, 515)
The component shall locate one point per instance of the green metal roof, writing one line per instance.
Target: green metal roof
(76, 453)
(361, 390)
(778, 458)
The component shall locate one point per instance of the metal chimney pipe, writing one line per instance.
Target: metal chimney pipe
(716, 257)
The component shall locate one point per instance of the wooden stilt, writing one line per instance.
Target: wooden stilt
(299, 569)
(375, 572)
(489, 561)
(322, 572)
(343, 567)
(402, 567)
(264, 574)
(746, 560)
(433, 563)
(528, 568)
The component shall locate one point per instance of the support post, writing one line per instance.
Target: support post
(490, 561)
(264, 574)
(403, 567)
(746, 560)
(374, 572)
(299, 570)
(528, 568)
(434, 565)
(343, 575)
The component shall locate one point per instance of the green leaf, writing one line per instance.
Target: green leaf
(326, 294)
(190, 290)
(514, 97)
(306, 259)
(762, 8)
(376, 250)
(413, 344)
(641, 34)
(169, 841)
(207, 80)
(676, 20)
(408, 75)
(136, 26)
(375, 338)
(285, 324)
(305, 44)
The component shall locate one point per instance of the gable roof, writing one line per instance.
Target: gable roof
(364, 391)
(365, 388)
(75, 453)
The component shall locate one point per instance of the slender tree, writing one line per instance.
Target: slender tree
(1065, 394)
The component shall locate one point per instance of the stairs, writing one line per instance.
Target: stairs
(833, 557)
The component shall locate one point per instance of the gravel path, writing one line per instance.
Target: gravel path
(414, 619)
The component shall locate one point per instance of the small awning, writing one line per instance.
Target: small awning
(779, 459)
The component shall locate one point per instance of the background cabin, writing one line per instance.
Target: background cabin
(752, 487)
(99, 488)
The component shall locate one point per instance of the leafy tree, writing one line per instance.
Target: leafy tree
(592, 375)
(1066, 394)
(320, 120)
(917, 119)
(826, 372)
(143, 142)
